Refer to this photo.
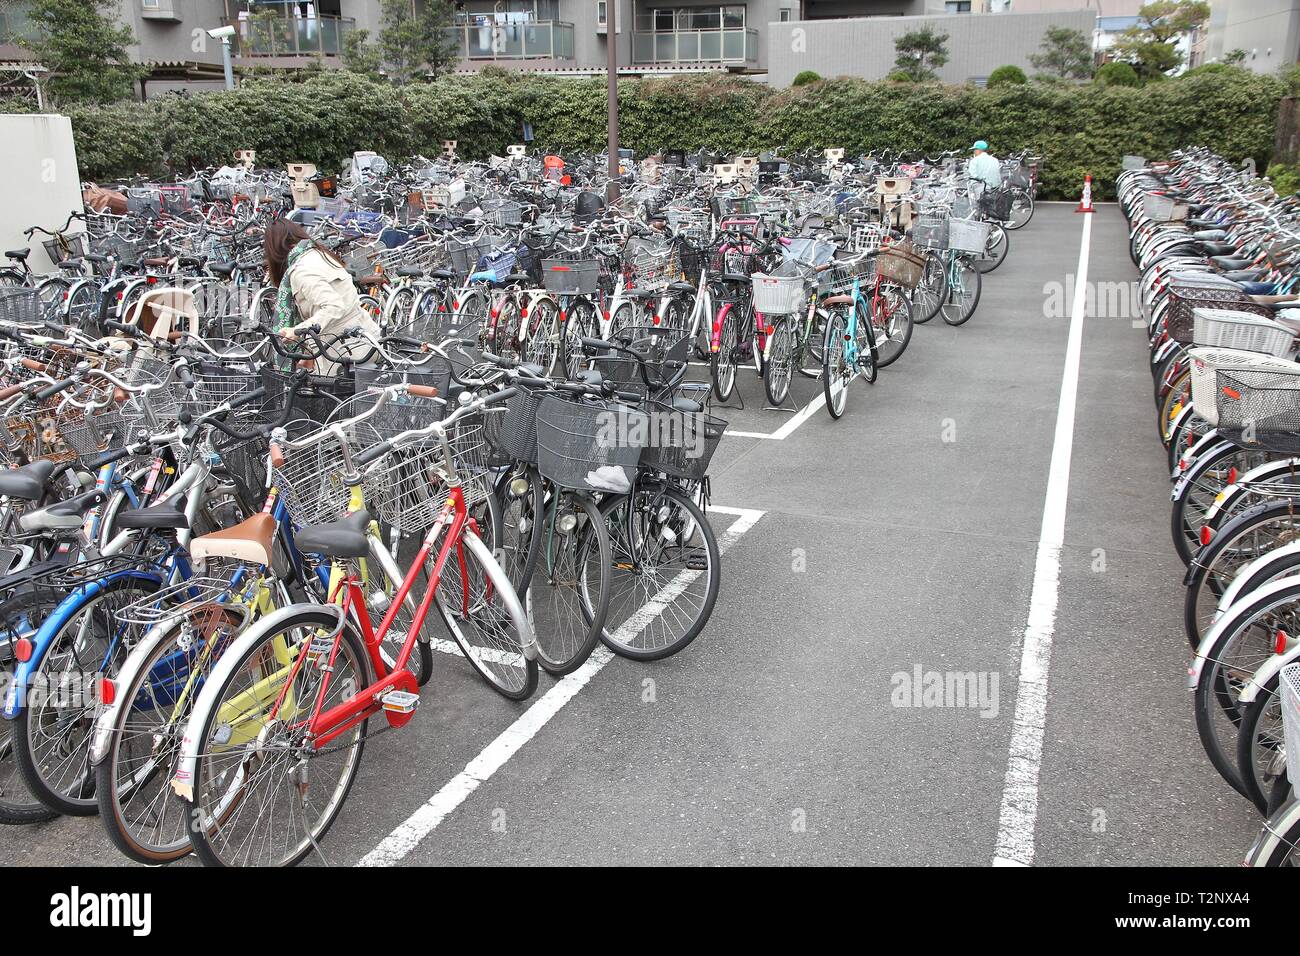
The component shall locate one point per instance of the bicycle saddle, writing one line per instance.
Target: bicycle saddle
(62, 515)
(641, 293)
(410, 272)
(72, 265)
(443, 274)
(680, 287)
(165, 514)
(1217, 248)
(223, 269)
(27, 482)
(250, 540)
(735, 277)
(371, 280)
(1210, 235)
(18, 254)
(338, 539)
(1241, 275)
(517, 277)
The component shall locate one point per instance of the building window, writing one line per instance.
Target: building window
(784, 15)
(149, 4)
(681, 19)
(602, 13)
(957, 6)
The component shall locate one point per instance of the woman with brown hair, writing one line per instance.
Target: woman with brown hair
(314, 289)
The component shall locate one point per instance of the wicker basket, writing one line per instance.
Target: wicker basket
(901, 264)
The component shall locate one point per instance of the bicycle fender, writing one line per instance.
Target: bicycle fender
(16, 693)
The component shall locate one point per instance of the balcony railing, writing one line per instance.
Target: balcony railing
(736, 45)
(535, 40)
(293, 36)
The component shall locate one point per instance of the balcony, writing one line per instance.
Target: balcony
(528, 40)
(278, 36)
(737, 46)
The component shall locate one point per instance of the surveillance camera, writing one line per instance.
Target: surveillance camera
(222, 33)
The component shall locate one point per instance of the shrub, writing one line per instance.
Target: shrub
(1116, 74)
(324, 118)
(1009, 75)
(1285, 179)
(805, 77)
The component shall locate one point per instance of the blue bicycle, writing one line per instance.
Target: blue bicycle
(849, 347)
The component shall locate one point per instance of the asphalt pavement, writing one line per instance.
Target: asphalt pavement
(869, 561)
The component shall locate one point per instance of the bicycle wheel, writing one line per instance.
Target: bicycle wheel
(891, 323)
(1022, 209)
(1244, 643)
(995, 250)
(521, 509)
(667, 572)
(964, 284)
(51, 734)
(1198, 493)
(928, 296)
(1259, 743)
(580, 322)
(567, 609)
(541, 337)
(20, 616)
(779, 367)
(1177, 397)
(722, 364)
(263, 794)
(868, 356)
(485, 617)
(505, 337)
(399, 307)
(133, 781)
(837, 372)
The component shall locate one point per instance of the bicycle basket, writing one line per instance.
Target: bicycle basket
(398, 414)
(464, 258)
(1185, 298)
(19, 306)
(681, 443)
(1257, 401)
(997, 204)
(901, 264)
(513, 435)
(63, 248)
(594, 446)
(1223, 328)
(1207, 362)
(1017, 177)
(968, 235)
(1289, 697)
(571, 276)
(778, 295)
(316, 399)
(930, 232)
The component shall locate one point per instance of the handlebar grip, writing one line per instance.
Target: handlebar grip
(51, 390)
(498, 360)
(595, 343)
(32, 365)
(185, 375)
(10, 392)
(125, 329)
(373, 453)
(502, 396)
(422, 391)
(253, 396)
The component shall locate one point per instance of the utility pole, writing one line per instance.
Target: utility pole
(611, 43)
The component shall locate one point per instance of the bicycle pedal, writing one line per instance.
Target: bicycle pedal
(400, 702)
(697, 562)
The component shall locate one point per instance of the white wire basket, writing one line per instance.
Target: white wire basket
(1206, 362)
(968, 235)
(777, 295)
(1288, 686)
(1224, 328)
(1163, 208)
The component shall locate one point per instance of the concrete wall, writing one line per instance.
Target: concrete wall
(1268, 30)
(977, 45)
(39, 180)
(176, 30)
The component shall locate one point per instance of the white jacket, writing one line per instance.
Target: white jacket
(325, 296)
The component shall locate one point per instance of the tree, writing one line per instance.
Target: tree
(920, 54)
(414, 43)
(1117, 74)
(84, 49)
(1151, 44)
(804, 77)
(1067, 54)
(361, 56)
(1009, 75)
(1235, 57)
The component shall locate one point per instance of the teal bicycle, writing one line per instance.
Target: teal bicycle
(849, 348)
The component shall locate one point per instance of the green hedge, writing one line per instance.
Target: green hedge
(323, 118)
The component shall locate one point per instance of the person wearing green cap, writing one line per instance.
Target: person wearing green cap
(983, 169)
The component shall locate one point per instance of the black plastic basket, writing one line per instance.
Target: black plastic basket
(595, 446)
(316, 399)
(513, 434)
(996, 204)
(681, 443)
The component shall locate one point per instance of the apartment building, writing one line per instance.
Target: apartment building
(569, 37)
(1266, 31)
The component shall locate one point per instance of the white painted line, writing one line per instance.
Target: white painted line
(1019, 813)
(786, 430)
(407, 836)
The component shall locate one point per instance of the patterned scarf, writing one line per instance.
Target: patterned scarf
(286, 309)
